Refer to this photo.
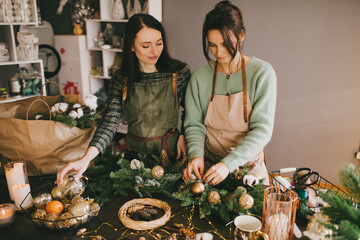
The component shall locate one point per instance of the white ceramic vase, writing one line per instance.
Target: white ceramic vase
(118, 11)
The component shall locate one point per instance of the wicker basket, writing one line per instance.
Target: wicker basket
(144, 225)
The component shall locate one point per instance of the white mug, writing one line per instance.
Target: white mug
(248, 228)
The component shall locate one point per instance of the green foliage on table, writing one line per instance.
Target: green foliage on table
(228, 206)
(344, 212)
(112, 175)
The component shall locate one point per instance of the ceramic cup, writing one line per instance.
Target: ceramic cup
(248, 228)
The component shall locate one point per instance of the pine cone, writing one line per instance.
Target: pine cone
(135, 208)
(164, 158)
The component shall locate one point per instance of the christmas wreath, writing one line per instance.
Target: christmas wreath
(227, 199)
(143, 176)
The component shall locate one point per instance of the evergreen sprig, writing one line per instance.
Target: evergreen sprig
(113, 175)
(343, 212)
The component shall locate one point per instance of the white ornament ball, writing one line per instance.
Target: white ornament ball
(18, 18)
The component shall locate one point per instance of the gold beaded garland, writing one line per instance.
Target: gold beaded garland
(213, 197)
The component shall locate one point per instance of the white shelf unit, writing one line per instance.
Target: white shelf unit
(8, 31)
(95, 26)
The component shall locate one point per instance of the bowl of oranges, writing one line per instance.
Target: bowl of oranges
(62, 208)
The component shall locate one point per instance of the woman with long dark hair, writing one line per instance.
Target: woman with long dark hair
(148, 89)
(229, 104)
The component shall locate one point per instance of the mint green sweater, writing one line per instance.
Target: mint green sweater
(261, 86)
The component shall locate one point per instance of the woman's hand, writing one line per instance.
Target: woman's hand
(78, 167)
(181, 146)
(216, 174)
(196, 165)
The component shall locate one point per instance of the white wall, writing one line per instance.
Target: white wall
(314, 47)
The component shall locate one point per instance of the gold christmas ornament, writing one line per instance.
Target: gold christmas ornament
(246, 201)
(94, 208)
(50, 217)
(157, 172)
(39, 214)
(41, 200)
(56, 193)
(213, 197)
(243, 190)
(80, 209)
(197, 188)
(67, 221)
(77, 199)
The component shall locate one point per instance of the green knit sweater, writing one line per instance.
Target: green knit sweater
(261, 86)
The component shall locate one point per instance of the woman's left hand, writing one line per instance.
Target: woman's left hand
(216, 174)
(181, 146)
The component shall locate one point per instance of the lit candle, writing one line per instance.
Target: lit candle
(279, 227)
(15, 175)
(7, 214)
(20, 193)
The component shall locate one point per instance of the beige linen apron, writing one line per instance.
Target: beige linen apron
(227, 125)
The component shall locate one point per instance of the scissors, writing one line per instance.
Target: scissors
(305, 177)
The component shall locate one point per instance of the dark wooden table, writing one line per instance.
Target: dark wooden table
(24, 228)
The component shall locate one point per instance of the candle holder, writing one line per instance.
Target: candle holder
(7, 214)
(279, 212)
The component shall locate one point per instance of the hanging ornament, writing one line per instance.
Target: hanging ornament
(157, 172)
(197, 188)
(246, 201)
(164, 158)
(213, 197)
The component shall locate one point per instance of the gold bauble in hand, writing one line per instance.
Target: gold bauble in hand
(197, 188)
(56, 193)
(157, 172)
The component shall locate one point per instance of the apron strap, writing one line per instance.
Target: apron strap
(214, 81)
(245, 93)
(164, 139)
(124, 93)
(174, 78)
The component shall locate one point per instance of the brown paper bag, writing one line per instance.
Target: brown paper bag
(46, 146)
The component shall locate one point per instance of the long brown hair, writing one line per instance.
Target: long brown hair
(130, 65)
(228, 19)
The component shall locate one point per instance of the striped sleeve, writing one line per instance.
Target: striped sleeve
(111, 119)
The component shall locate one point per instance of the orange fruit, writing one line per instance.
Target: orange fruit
(54, 207)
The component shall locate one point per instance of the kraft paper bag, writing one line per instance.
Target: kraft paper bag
(46, 146)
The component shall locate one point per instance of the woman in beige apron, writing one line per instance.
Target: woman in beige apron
(148, 89)
(230, 103)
